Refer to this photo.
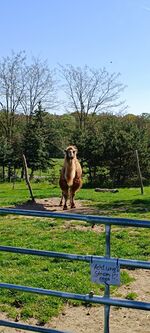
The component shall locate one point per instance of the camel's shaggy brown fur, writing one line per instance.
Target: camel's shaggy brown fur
(70, 177)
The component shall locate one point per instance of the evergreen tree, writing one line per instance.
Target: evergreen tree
(34, 142)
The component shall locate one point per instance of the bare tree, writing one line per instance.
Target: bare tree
(91, 91)
(40, 86)
(12, 86)
(22, 86)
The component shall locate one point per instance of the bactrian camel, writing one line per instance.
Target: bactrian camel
(70, 177)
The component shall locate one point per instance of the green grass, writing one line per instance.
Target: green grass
(20, 194)
(125, 203)
(131, 296)
(55, 235)
(45, 273)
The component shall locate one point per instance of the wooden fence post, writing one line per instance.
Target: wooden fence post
(27, 177)
(139, 172)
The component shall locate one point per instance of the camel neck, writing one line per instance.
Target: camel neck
(70, 162)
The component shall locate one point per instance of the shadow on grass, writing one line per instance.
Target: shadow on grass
(135, 207)
(52, 205)
(139, 206)
(35, 205)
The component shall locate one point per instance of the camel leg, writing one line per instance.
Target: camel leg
(61, 201)
(72, 203)
(66, 198)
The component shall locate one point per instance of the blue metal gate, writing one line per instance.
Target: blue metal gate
(106, 300)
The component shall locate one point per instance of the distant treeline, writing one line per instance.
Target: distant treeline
(106, 146)
(95, 122)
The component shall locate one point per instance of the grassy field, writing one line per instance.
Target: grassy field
(63, 236)
(127, 202)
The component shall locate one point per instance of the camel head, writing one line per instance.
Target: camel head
(71, 152)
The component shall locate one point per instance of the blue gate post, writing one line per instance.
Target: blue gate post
(107, 288)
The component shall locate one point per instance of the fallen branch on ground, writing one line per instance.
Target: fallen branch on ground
(112, 190)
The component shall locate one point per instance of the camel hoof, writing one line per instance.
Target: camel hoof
(73, 206)
(65, 208)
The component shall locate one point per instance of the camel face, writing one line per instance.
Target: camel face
(71, 153)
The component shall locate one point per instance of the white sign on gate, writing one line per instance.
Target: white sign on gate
(105, 272)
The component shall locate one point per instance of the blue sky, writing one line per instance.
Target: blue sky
(110, 33)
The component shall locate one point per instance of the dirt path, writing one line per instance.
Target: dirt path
(52, 205)
(79, 319)
(122, 320)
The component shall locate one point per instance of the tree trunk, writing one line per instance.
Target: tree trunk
(139, 172)
(9, 172)
(90, 174)
(3, 172)
(31, 174)
(22, 173)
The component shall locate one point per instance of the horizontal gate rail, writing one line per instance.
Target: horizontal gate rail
(6, 323)
(67, 256)
(94, 219)
(88, 298)
(106, 300)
